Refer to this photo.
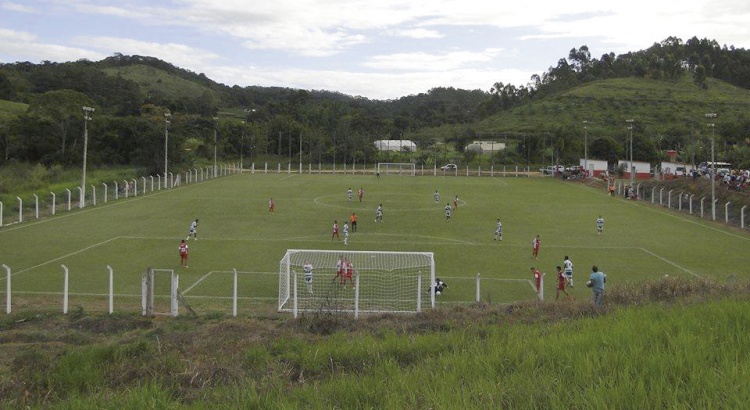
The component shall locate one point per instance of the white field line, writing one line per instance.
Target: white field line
(66, 256)
(665, 260)
(197, 282)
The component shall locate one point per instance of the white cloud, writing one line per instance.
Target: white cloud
(417, 33)
(180, 55)
(21, 8)
(425, 62)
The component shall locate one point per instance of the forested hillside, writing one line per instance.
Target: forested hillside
(667, 89)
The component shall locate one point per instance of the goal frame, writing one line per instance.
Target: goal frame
(397, 168)
(412, 272)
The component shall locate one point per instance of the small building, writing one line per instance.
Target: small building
(485, 146)
(595, 167)
(674, 169)
(395, 145)
(642, 169)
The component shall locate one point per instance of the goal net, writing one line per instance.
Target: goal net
(393, 168)
(380, 282)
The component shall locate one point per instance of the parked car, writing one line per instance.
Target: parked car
(449, 167)
(552, 169)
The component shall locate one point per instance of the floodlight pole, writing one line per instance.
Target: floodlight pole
(216, 125)
(86, 117)
(167, 116)
(711, 116)
(632, 173)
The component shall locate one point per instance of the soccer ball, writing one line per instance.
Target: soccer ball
(437, 293)
(589, 284)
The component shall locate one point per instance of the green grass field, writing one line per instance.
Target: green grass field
(236, 231)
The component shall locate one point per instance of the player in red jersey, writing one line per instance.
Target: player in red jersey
(340, 270)
(537, 278)
(183, 254)
(536, 243)
(455, 202)
(271, 206)
(335, 230)
(349, 273)
(360, 193)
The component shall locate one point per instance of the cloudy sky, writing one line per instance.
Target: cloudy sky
(378, 49)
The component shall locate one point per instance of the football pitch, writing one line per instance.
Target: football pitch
(236, 231)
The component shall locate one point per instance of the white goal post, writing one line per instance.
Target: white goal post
(396, 168)
(381, 282)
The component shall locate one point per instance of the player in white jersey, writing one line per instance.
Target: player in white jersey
(600, 225)
(499, 231)
(568, 270)
(379, 213)
(349, 194)
(448, 210)
(193, 230)
(437, 197)
(307, 268)
(346, 233)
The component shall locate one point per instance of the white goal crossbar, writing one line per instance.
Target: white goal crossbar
(394, 168)
(380, 282)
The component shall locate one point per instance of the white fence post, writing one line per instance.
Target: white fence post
(20, 209)
(742, 217)
(7, 288)
(69, 194)
(702, 206)
(81, 195)
(158, 176)
(93, 195)
(117, 190)
(479, 288)
(111, 289)
(691, 203)
(105, 192)
(53, 202)
(726, 212)
(1, 213)
(661, 195)
(653, 194)
(234, 294)
(143, 179)
(36, 206)
(65, 290)
(669, 199)
(135, 187)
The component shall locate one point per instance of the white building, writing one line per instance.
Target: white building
(395, 145)
(485, 146)
(642, 169)
(595, 167)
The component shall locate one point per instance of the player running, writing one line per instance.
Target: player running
(499, 231)
(183, 254)
(600, 225)
(568, 270)
(349, 194)
(379, 214)
(448, 212)
(455, 202)
(436, 196)
(346, 233)
(193, 230)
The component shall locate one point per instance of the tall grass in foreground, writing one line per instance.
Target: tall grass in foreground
(655, 353)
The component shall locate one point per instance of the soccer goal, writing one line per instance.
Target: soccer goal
(396, 282)
(393, 168)
(159, 292)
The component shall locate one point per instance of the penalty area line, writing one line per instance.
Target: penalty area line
(65, 256)
(197, 282)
